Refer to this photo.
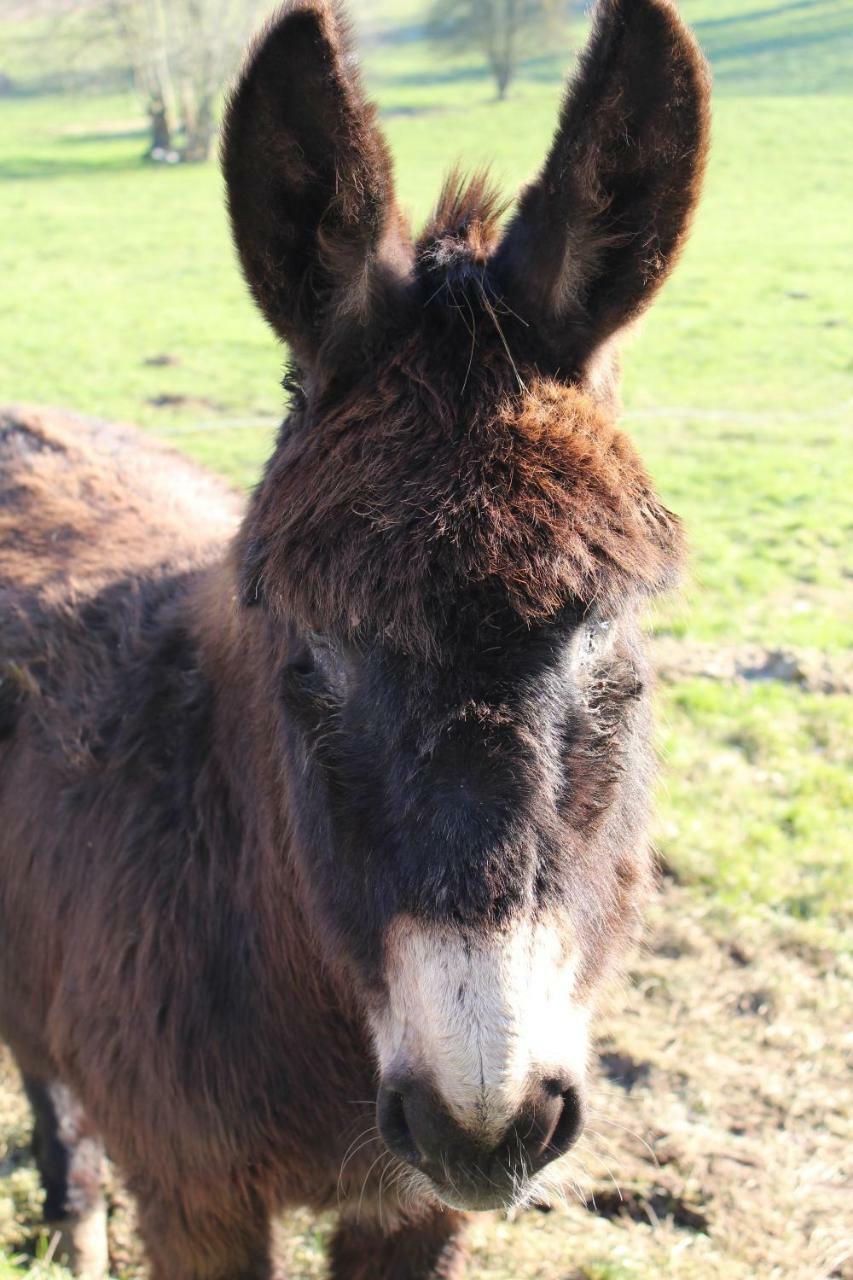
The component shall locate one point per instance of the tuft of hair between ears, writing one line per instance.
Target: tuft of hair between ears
(465, 225)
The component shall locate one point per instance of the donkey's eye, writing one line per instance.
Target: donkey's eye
(301, 681)
(313, 660)
(304, 655)
(598, 633)
(594, 641)
(301, 662)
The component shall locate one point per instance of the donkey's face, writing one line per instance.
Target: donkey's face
(472, 824)
(449, 545)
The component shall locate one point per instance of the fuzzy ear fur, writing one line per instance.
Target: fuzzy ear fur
(598, 232)
(310, 187)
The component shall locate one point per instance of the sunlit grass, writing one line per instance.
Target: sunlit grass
(756, 783)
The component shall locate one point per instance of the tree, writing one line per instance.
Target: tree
(503, 30)
(182, 53)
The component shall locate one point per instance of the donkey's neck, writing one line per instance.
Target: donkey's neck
(244, 810)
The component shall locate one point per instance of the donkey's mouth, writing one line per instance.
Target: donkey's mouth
(478, 1199)
(478, 1190)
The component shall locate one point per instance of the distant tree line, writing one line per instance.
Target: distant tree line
(503, 31)
(181, 54)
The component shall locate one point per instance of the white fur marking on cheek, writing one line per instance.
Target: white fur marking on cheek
(481, 1016)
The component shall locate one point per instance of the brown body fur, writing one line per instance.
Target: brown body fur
(205, 956)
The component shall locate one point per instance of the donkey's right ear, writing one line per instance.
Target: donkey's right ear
(597, 233)
(310, 187)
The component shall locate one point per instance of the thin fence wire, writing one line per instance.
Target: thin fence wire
(629, 415)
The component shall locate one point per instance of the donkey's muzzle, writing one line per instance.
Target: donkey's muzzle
(469, 1169)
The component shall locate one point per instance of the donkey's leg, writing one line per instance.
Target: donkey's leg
(70, 1162)
(430, 1249)
(50, 1154)
(184, 1244)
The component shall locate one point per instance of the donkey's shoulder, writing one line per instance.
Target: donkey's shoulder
(83, 501)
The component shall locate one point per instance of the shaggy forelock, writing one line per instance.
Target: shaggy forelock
(402, 499)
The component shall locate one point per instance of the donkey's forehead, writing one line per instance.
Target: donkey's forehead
(391, 507)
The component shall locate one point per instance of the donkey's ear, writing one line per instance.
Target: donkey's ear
(310, 188)
(594, 237)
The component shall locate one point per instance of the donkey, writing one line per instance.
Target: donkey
(323, 823)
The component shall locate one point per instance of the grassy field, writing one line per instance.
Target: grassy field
(121, 298)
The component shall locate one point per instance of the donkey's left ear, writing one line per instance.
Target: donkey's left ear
(594, 237)
(310, 187)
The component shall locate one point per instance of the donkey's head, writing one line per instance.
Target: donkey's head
(446, 555)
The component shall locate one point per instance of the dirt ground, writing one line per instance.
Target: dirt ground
(717, 1139)
(810, 669)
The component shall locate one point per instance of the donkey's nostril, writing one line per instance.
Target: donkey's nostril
(567, 1123)
(553, 1087)
(394, 1126)
(544, 1130)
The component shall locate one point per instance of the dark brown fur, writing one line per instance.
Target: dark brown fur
(170, 950)
(391, 535)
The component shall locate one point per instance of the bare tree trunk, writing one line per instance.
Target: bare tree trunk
(501, 47)
(509, 52)
(182, 53)
(159, 70)
(502, 31)
(199, 133)
(161, 129)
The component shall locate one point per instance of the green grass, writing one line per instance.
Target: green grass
(13, 1270)
(736, 386)
(759, 47)
(756, 785)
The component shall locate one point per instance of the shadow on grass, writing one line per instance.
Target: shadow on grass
(395, 37)
(436, 76)
(34, 168)
(405, 111)
(731, 63)
(138, 134)
(755, 15)
(547, 68)
(795, 48)
(54, 84)
(771, 44)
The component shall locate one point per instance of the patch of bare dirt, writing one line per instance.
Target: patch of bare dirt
(653, 1204)
(725, 1102)
(174, 400)
(165, 360)
(106, 128)
(811, 669)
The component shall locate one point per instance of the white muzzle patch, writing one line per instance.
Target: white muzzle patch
(481, 1015)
